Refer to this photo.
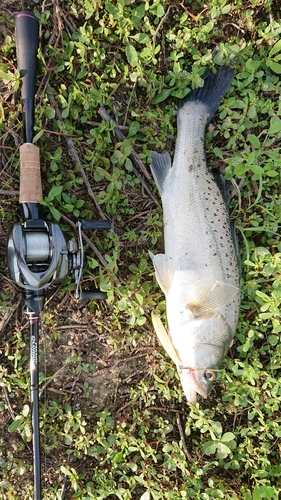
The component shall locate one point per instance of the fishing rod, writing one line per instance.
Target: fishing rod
(38, 252)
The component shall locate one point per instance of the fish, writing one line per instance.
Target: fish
(199, 269)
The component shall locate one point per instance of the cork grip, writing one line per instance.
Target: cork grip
(30, 176)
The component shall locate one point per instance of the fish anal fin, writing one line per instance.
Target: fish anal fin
(164, 339)
(164, 271)
(212, 299)
(160, 167)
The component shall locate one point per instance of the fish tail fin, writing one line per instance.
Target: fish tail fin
(213, 90)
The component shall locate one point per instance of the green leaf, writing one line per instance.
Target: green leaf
(6, 76)
(161, 96)
(228, 436)
(65, 112)
(257, 169)
(254, 140)
(272, 173)
(217, 428)
(274, 66)
(134, 128)
(126, 148)
(132, 55)
(141, 38)
(79, 203)
(118, 457)
(5, 485)
(37, 136)
(210, 447)
(276, 48)
(167, 448)
(129, 165)
(55, 213)
(55, 192)
(145, 496)
(275, 125)
(160, 10)
(89, 9)
(68, 208)
(25, 410)
(49, 112)
(16, 424)
(223, 451)
(263, 295)
(65, 471)
(218, 153)
(102, 173)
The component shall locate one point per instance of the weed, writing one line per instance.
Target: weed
(137, 59)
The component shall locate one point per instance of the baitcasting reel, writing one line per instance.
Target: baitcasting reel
(39, 255)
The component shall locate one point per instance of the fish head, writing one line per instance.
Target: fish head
(201, 344)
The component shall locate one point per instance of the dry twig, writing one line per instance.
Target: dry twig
(186, 452)
(121, 137)
(7, 316)
(75, 158)
(134, 157)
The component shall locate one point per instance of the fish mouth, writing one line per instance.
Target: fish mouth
(190, 384)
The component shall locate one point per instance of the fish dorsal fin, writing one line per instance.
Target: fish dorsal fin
(164, 339)
(164, 271)
(207, 300)
(160, 167)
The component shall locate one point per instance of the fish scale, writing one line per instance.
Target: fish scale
(199, 270)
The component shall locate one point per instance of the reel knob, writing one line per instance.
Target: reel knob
(92, 294)
(95, 224)
(77, 257)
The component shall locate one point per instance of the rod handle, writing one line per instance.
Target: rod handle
(27, 42)
(30, 175)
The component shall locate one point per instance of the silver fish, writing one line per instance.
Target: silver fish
(199, 271)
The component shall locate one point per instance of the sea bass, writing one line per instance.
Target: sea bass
(199, 271)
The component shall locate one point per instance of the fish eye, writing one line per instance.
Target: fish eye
(209, 375)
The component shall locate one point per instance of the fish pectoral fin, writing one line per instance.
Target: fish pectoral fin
(164, 271)
(212, 299)
(164, 338)
(160, 167)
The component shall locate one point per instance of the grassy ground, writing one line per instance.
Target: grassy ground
(115, 423)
